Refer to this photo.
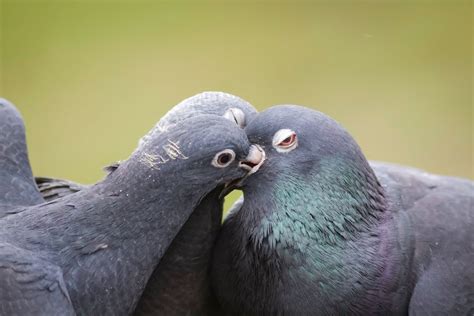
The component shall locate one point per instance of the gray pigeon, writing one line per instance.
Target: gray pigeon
(180, 284)
(17, 187)
(323, 232)
(91, 253)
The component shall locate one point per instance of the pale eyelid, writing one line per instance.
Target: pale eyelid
(280, 136)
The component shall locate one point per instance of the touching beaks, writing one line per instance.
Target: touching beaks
(251, 163)
(254, 159)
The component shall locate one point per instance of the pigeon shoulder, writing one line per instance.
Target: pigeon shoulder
(390, 174)
(431, 201)
(407, 187)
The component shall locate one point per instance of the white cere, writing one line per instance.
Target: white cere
(236, 115)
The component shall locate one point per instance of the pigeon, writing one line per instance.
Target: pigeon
(17, 186)
(321, 231)
(92, 252)
(180, 284)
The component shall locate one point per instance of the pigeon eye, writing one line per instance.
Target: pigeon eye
(224, 158)
(236, 115)
(285, 140)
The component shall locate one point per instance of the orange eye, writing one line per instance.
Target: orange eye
(289, 141)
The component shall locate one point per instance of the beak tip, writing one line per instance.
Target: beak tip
(251, 164)
(254, 159)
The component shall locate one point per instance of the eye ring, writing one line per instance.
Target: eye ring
(285, 140)
(223, 158)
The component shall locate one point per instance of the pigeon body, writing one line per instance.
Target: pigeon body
(438, 215)
(17, 186)
(92, 252)
(321, 231)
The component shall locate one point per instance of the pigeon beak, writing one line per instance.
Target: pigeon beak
(254, 160)
(251, 164)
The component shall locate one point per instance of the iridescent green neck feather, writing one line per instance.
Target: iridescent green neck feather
(327, 206)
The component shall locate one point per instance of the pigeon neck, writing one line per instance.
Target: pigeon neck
(127, 221)
(322, 211)
(146, 198)
(335, 201)
(331, 223)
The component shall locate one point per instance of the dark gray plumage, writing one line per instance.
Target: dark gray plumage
(17, 187)
(322, 232)
(180, 284)
(92, 252)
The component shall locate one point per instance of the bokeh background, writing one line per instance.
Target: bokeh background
(92, 77)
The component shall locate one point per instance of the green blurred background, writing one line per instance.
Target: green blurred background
(92, 77)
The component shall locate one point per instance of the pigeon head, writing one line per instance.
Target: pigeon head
(298, 142)
(202, 147)
(7, 108)
(222, 104)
